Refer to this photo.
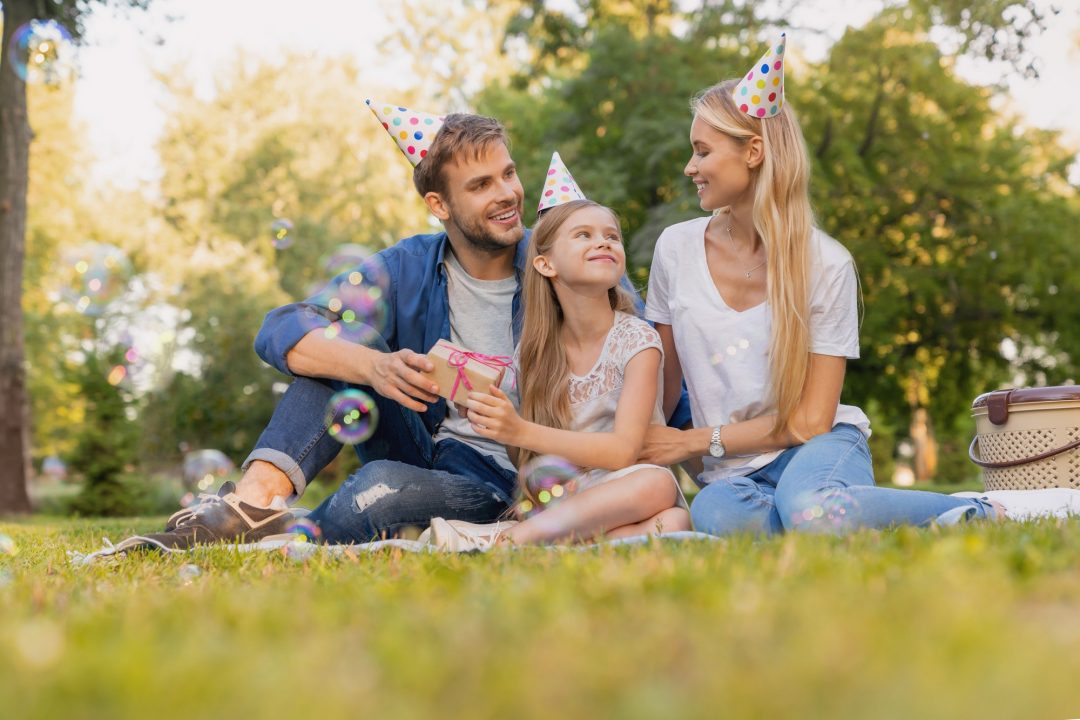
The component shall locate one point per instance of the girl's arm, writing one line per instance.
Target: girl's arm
(813, 415)
(672, 369)
(493, 416)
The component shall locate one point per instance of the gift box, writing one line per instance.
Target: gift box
(459, 371)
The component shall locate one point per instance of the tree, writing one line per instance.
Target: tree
(15, 137)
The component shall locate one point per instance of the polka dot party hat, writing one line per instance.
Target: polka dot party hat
(559, 186)
(412, 131)
(761, 93)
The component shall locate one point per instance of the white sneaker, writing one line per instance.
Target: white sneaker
(461, 536)
(1031, 504)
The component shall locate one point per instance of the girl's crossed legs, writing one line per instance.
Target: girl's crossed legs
(824, 485)
(635, 501)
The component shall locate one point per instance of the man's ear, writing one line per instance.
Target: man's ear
(755, 152)
(543, 266)
(437, 205)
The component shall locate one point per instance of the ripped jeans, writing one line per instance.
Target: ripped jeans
(386, 496)
(406, 479)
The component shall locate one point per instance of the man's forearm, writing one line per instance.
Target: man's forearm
(321, 357)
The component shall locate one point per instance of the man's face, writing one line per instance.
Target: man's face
(484, 199)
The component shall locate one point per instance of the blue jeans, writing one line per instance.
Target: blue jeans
(406, 479)
(824, 485)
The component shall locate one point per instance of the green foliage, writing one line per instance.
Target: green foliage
(975, 621)
(106, 444)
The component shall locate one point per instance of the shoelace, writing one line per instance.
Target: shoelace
(184, 516)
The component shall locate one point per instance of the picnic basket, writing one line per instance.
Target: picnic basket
(1028, 438)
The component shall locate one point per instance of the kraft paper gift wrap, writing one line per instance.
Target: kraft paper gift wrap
(459, 371)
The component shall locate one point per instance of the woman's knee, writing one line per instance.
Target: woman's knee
(733, 505)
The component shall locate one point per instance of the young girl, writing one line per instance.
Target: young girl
(757, 309)
(588, 377)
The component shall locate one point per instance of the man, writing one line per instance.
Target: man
(463, 284)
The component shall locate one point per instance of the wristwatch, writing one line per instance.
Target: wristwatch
(716, 448)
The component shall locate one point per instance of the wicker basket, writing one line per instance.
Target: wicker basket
(1028, 438)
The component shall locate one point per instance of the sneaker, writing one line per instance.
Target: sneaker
(226, 488)
(222, 518)
(1032, 504)
(461, 536)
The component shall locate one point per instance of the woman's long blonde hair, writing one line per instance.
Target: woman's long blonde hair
(784, 220)
(544, 380)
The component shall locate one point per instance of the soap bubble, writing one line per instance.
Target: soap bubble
(825, 511)
(353, 306)
(205, 469)
(188, 574)
(351, 416)
(306, 529)
(344, 258)
(93, 276)
(299, 551)
(8, 546)
(42, 53)
(281, 233)
(549, 479)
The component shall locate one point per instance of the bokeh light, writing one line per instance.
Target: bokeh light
(351, 416)
(93, 276)
(42, 53)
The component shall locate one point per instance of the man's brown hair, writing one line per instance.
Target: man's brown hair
(460, 133)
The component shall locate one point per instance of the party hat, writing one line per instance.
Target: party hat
(559, 186)
(761, 93)
(412, 131)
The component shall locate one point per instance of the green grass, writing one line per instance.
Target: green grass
(978, 621)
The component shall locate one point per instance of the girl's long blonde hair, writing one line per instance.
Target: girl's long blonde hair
(544, 371)
(784, 220)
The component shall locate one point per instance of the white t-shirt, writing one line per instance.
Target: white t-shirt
(724, 354)
(480, 320)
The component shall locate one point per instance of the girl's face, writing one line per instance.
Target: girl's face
(719, 166)
(587, 251)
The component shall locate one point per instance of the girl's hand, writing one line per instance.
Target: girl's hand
(493, 416)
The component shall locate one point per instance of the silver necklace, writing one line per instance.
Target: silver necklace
(733, 247)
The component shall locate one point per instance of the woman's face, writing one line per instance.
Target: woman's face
(719, 166)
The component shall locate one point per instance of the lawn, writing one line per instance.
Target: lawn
(976, 621)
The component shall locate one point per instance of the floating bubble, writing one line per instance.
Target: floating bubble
(351, 416)
(205, 468)
(832, 511)
(53, 467)
(299, 551)
(42, 53)
(93, 276)
(281, 233)
(6, 578)
(548, 478)
(353, 305)
(8, 546)
(345, 258)
(189, 574)
(306, 529)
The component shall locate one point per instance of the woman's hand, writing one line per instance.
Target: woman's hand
(493, 416)
(664, 446)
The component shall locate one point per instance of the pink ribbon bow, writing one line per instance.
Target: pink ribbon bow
(461, 358)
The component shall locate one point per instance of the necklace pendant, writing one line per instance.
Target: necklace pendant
(748, 274)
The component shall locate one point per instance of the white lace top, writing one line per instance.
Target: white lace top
(595, 395)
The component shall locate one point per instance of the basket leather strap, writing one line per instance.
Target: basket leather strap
(1022, 461)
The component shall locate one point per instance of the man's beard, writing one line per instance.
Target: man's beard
(479, 236)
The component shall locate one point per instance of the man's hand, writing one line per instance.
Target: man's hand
(493, 416)
(396, 376)
(663, 446)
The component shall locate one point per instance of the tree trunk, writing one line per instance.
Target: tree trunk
(14, 177)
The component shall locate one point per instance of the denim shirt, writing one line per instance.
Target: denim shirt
(417, 310)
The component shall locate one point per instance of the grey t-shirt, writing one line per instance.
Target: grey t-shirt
(480, 320)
